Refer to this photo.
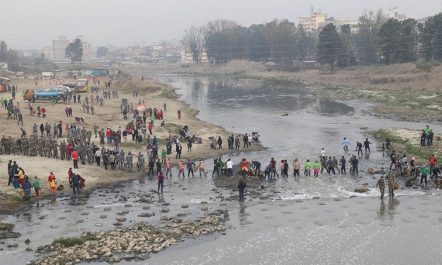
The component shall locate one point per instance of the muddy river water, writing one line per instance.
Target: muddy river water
(303, 221)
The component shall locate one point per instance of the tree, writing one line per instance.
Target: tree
(398, 41)
(258, 47)
(194, 41)
(389, 37)
(431, 38)
(367, 37)
(281, 37)
(74, 51)
(329, 46)
(408, 41)
(347, 57)
(220, 41)
(101, 52)
(3, 51)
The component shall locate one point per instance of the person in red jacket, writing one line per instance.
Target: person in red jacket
(149, 126)
(432, 160)
(75, 158)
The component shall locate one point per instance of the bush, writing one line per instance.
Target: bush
(424, 65)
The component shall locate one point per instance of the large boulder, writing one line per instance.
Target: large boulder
(362, 189)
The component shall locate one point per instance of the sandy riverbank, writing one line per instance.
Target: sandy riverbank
(152, 93)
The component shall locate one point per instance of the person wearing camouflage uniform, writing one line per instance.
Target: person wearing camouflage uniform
(381, 185)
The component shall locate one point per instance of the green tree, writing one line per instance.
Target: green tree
(389, 38)
(281, 37)
(398, 41)
(74, 51)
(347, 57)
(102, 52)
(3, 51)
(330, 46)
(220, 41)
(366, 40)
(408, 42)
(431, 38)
(259, 49)
(303, 43)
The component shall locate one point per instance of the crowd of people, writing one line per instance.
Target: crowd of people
(47, 140)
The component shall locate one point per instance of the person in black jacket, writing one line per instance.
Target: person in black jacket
(241, 187)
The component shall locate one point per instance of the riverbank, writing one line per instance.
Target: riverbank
(406, 141)
(152, 93)
(399, 91)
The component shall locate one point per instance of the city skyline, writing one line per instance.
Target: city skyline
(137, 22)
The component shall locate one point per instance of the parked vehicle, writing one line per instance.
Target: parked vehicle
(52, 95)
(82, 85)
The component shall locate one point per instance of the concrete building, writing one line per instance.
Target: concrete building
(47, 51)
(59, 48)
(312, 22)
(394, 13)
(186, 57)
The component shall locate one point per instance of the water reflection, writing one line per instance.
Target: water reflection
(392, 204)
(224, 95)
(381, 212)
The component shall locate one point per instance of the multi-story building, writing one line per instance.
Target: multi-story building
(59, 48)
(312, 22)
(394, 13)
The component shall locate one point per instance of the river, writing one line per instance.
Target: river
(303, 221)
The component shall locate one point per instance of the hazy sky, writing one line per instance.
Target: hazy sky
(34, 23)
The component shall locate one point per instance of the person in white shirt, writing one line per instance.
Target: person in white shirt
(229, 165)
(98, 157)
(323, 154)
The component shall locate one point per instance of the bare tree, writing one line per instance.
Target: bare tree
(194, 41)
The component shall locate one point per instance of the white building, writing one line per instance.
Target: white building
(394, 13)
(59, 48)
(186, 57)
(312, 22)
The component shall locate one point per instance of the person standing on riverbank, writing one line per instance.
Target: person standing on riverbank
(74, 156)
(178, 149)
